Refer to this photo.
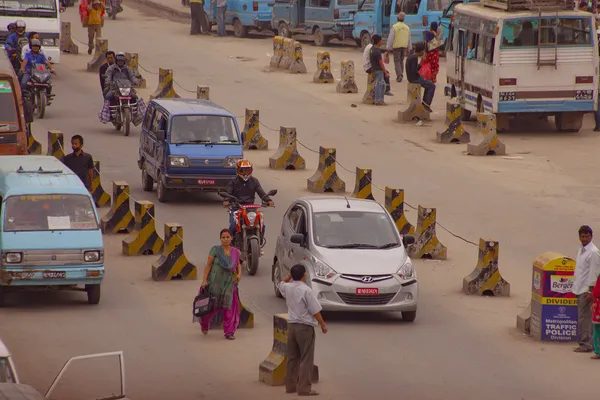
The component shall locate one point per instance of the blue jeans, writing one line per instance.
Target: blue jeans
(24, 79)
(221, 21)
(232, 226)
(429, 89)
(379, 86)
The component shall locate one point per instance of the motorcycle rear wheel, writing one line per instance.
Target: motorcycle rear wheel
(253, 256)
(127, 121)
(40, 104)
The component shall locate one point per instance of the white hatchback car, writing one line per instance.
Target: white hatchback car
(355, 258)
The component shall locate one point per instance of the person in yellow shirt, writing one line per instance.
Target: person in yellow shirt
(399, 45)
(95, 22)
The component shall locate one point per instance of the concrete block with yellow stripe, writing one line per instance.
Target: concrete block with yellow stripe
(165, 89)
(415, 110)
(394, 204)
(253, 140)
(173, 264)
(246, 318)
(272, 370)
(144, 239)
(101, 198)
(119, 218)
(524, 321)
(287, 156)
(485, 141)
(56, 144)
(454, 131)
(363, 186)
(326, 179)
(298, 66)
(202, 92)
(485, 278)
(33, 146)
(427, 244)
(323, 73)
(287, 56)
(66, 44)
(133, 62)
(277, 51)
(99, 57)
(369, 96)
(347, 83)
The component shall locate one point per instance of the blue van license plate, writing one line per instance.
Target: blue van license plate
(54, 275)
(206, 181)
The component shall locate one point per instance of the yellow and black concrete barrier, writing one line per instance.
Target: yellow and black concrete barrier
(454, 131)
(173, 264)
(99, 57)
(272, 370)
(66, 44)
(165, 89)
(253, 140)
(202, 92)
(486, 280)
(485, 141)
(298, 66)
(426, 243)
(394, 203)
(33, 146)
(363, 187)
(246, 318)
(415, 111)
(287, 156)
(325, 179)
(133, 62)
(277, 52)
(144, 239)
(287, 55)
(347, 83)
(323, 73)
(119, 218)
(56, 144)
(369, 96)
(101, 198)
(524, 321)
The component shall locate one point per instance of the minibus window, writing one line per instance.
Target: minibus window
(9, 119)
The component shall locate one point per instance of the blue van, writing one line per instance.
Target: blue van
(50, 234)
(188, 144)
(244, 15)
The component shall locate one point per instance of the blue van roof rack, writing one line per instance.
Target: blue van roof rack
(40, 170)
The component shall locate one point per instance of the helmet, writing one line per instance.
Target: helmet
(244, 169)
(12, 25)
(36, 42)
(20, 24)
(121, 57)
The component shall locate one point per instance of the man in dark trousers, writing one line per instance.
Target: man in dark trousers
(412, 73)
(110, 60)
(199, 18)
(82, 164)
(304, 313)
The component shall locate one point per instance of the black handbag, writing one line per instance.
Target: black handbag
(204, 303)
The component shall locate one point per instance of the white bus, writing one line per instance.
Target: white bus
(529, 57)
(41, 16)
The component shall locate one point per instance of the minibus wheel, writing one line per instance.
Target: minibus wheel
(320, 38)
(239, 30)
(93, 293)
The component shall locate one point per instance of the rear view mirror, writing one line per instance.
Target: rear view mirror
(160, 135)
(408, 239)
(272, 192)
(297, 238)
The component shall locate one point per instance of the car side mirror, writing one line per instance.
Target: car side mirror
(408, 239)
(160, 135)
(297, 238)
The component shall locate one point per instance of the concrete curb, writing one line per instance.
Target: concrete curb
(158, 5)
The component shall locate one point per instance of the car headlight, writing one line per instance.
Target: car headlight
(48, 42)
(323, 270)
(407, 271)
(125, 91)
(178, 161)
(232, 161)
(251, 218)
(91, 256)
(13, 258)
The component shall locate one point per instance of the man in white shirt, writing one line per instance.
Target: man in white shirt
(587, 269)
(367, 69)
(27, 48)
(304, 313)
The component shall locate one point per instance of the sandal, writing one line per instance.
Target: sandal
(205, 331)
(595, 357)
(311, 393)
(229, 337)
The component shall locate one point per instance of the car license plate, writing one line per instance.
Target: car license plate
(54, 275)
(206, 181)
(367, 291)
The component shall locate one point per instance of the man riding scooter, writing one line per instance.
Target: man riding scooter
(35, 56)
(15, 42)
(119, 71)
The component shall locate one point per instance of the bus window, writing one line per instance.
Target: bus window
(437, 5)
(9, 119)
(525, 32)
(409, 6)
(490, 44)
(472, 42)
(574, 31)
(480, 55)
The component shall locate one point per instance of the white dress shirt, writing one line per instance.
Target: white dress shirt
(587, 268)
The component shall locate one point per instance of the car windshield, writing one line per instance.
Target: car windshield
(209, 129)
(354, 229)
(6, 375)
(9, 120)
(49, 213)
(28, 8)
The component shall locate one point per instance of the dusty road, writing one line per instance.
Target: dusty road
(458, 348)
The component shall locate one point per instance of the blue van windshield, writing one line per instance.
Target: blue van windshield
(49, 213)
(203, 129)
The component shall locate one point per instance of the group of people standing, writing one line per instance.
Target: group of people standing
(200, 22)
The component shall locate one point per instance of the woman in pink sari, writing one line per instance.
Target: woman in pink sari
(222, 274)
(433, 56)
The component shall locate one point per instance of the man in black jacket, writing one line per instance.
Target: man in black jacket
(110, 60)
(412, 73)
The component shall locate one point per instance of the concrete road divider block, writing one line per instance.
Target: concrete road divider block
(33, 146)
(133, 62)
(347, 83)
(165, 89)
(454, 131)
(363, 188)
(272, 370)
(253, 140)
(369, 96)
(287, 156)
(56, 144)
(323, 73)
(246, 318)
(298, 66)
(66, 44)
(287, 56)
(173, 264)
(326, 179)
(99, 57)
(524, 321)
(394, 203)
(202, 93)
(277, 52)
(119, 218)
(485, 141)
(101, 198)
(144, 239)
(415, 111)
(426, 243)
(485, 280)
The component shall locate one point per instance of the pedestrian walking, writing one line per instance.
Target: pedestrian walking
(596, 320)
(199, 18)
(304, 314)
(222, 275)
(399, 45)
(221, 10)
(587, 269)
(378, 70)
(82, 164)
(413, 75)
(95, 22)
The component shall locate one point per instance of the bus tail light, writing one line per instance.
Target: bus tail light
(425, 20)
(584, 79)
(336, 14)
(255, 6)
(508, 81)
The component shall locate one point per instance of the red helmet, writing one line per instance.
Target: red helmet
(244, 169)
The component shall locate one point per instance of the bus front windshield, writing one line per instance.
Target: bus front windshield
(29, 8)
(569, 31)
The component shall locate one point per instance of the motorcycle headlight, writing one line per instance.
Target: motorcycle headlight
(251, 218)
(13, 258)
(91, 256)
(407, 271)
(125, 91)
(231, 162)
(323, 270)
(178, 161)
(48, 42)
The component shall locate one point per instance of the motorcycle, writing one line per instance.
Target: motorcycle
(41, 89)
(113, 7)
(121, 112)
(248, 236)
(15, 56)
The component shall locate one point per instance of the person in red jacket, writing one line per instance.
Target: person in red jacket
(596, 319)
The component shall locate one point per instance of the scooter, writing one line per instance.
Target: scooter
(121, 112)
(248, 225)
